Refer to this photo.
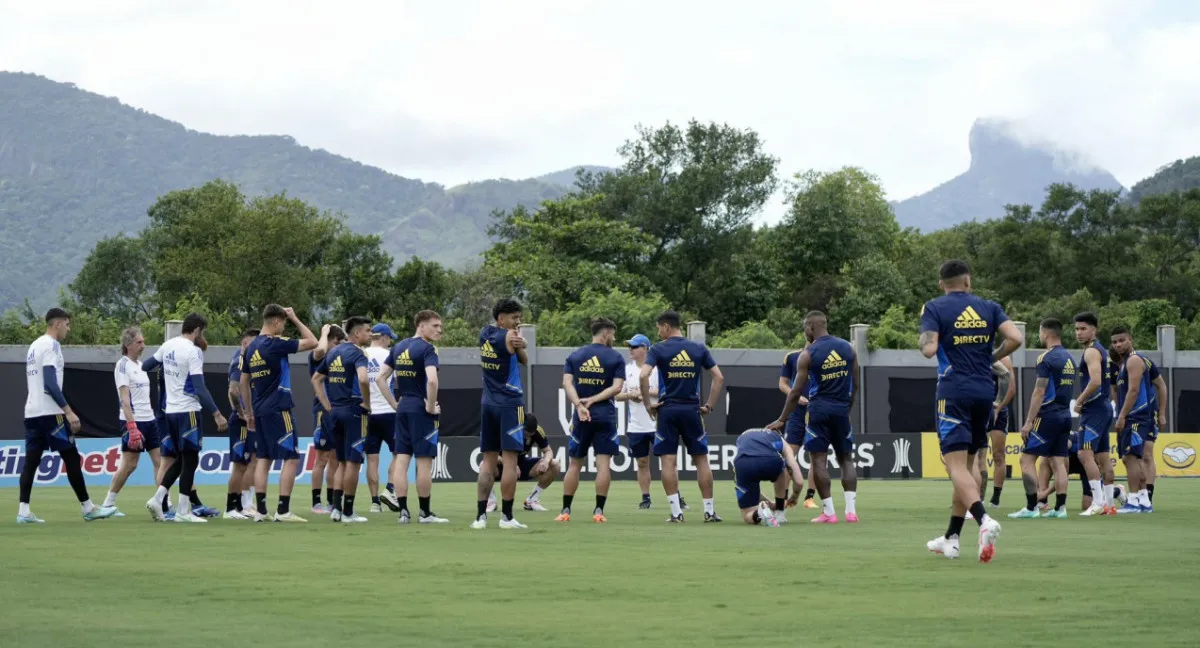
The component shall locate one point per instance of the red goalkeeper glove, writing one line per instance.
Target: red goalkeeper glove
(135, 436)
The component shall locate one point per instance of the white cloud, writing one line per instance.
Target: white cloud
(451, 92)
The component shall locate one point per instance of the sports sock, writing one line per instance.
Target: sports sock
(260, 503)
(506, 509)
(391, 488)
(185, 505)
(645, 497)
(194, 497)
(754, 517)
(110, 499)
(233, 502)
(337, 499)
(956, 525)
(1110, 495)
(423, 503)
(850, 498)
(1097, 492)
(285, 504)
(780, 503)
(1150, 492)
(810, 493)
(1060, 500)
(827, 505)
(1044, 501)
(535, 494)
(403, 499)
(673, 500)
(567, 499)
(247, 499)
(1031, 501)
(978, 512)
(600, 500)
(160, 494)
(348, 505)
(481, 509)
(1144, 497)
(996, 495)
(708, 506)
(375, 500)
(316, 492)
(23, 509)
(329, 495)
(87, 506)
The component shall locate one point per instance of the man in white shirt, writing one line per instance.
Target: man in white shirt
(50, 423)
(135, 413)
(381, 424)
(639, 427)
(182, 360)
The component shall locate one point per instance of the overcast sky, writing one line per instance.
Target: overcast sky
(456, 91)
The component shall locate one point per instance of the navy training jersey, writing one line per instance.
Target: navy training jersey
(966, 326)
(1057, 367)
(340, 367)
(1102, 399)
(235, 375)
(594, 368)
(830, 375)
(501, 369)
(759, 443)
(408, 360)
(313, 363)
(788, 370)
(1144, 406)
(679, 362)
(266, 358)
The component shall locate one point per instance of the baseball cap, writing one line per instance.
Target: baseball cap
(639, 340)
(383, 329)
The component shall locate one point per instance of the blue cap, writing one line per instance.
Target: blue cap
(383, 329)
(639, 340)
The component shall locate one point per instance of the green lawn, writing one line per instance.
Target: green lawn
(634, 581)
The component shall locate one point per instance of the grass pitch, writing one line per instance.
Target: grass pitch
(634, 581)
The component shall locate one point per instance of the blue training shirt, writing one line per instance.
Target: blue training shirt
(830, 375)
(501, 369)
(408, 360)
(1102, 399)
(759, 443)
(266, 358)
(340, 368)
(966, 326)
(679, 362)
(1057, 367)
(1144, 409)
(594, 368)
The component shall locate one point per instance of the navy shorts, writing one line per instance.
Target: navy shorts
(748, 475)
(323, 431)
(47, 433)
(184, 431)
(278, 430)
(677, 422)
(1094, 427)
(416, 434)
(1050, 436)
(1151, 432)
(526, 464)
(793, 430)
(502, 428)
(601, 435)
(150, 440)
(240, 446)
(350, 432)
(381, 429)
(826, 430)
(962, 424)
(999, 420)
(1130, 441)
(639, 443)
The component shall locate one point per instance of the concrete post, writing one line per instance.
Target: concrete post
(1166, 346)
(529, 333)
(697, 332)
(172, 328)
(1018, 358)
(858, 339)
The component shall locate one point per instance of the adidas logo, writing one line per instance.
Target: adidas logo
(404, 359)
(256, 360)
(337, 365)
(682, 360)
(969, 319)
(833, 361)
(486, 350)
(592, 366)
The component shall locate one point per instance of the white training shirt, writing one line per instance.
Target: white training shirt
(639, 419)
(128, 373)
(376, 356)
(183, 363)
(44, 352)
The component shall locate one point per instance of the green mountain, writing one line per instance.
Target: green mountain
(76, 167)
(1178, 176)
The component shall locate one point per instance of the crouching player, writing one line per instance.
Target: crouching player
(543, 469)
(762, 456)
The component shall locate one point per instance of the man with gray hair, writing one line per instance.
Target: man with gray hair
(135, 413)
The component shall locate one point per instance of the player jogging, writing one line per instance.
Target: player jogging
(793, 432)
(341, 384)
(762, 456)
(267, 386)
(825, 373)
(678, 412)
(135, 413)
(1095, 410)
(592, 376)
(49, 420)
(1048, 422)
(502, 416)
(182, 362)
(243, 446)
(381, 425)
(959, 329)
(639, 427)
(1139, 384)
(998, 433)
(410, 372)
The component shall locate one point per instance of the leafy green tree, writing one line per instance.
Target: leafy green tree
(421, 285)
(632, 313)
(871, 285)
(457, 332)
(786, 322)
(360, 273)
(896, 329)
(116, 279)
(751, 335)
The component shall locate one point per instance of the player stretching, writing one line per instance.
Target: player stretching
(48, 417)
(998, 435)
(134, 412)
(762, 456)
(1094, 408)
(267, 386)
(959, 329)
(592, 376)
(1138, 385)
(414, 364)
(182, 362)
(381, 425)
(793, 432)
(342, 386)
(325, 467)
(678, 412)
(242, 446)
(1048, 423)
(639, 427)
(825, 372)
(502, 416)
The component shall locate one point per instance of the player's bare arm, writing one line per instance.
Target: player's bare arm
(381, 381)
(644, 387)
(318, 383)
(928, 342)
(793, 399)
(1013, 339)
(1035, 406)
(364, 387)
(249, 413)
(308, 341)
(1133, 373)
(581, 409)
(322, 344)
(714, 390)
(431, 392)
(1091, 358)
(1160, 388)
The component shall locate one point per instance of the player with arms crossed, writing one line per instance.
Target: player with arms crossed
(182, 362)
(411, 370)
(793, 432)
(341, 385)
(267, 386)
(1139, 386)
(959, 329)
(1048, 422)
(502, 416)
(1095, 410)
(592, 376)
(49, 420)
(998, 435)
(678, 412)
(762, 456)
(639, 427)
(825, 372)
(135, 413)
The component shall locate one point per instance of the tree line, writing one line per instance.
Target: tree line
(670, 228)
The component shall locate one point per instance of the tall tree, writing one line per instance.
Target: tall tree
(116, 279)
(360, 274)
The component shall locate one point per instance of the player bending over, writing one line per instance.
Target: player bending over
(762, 456)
